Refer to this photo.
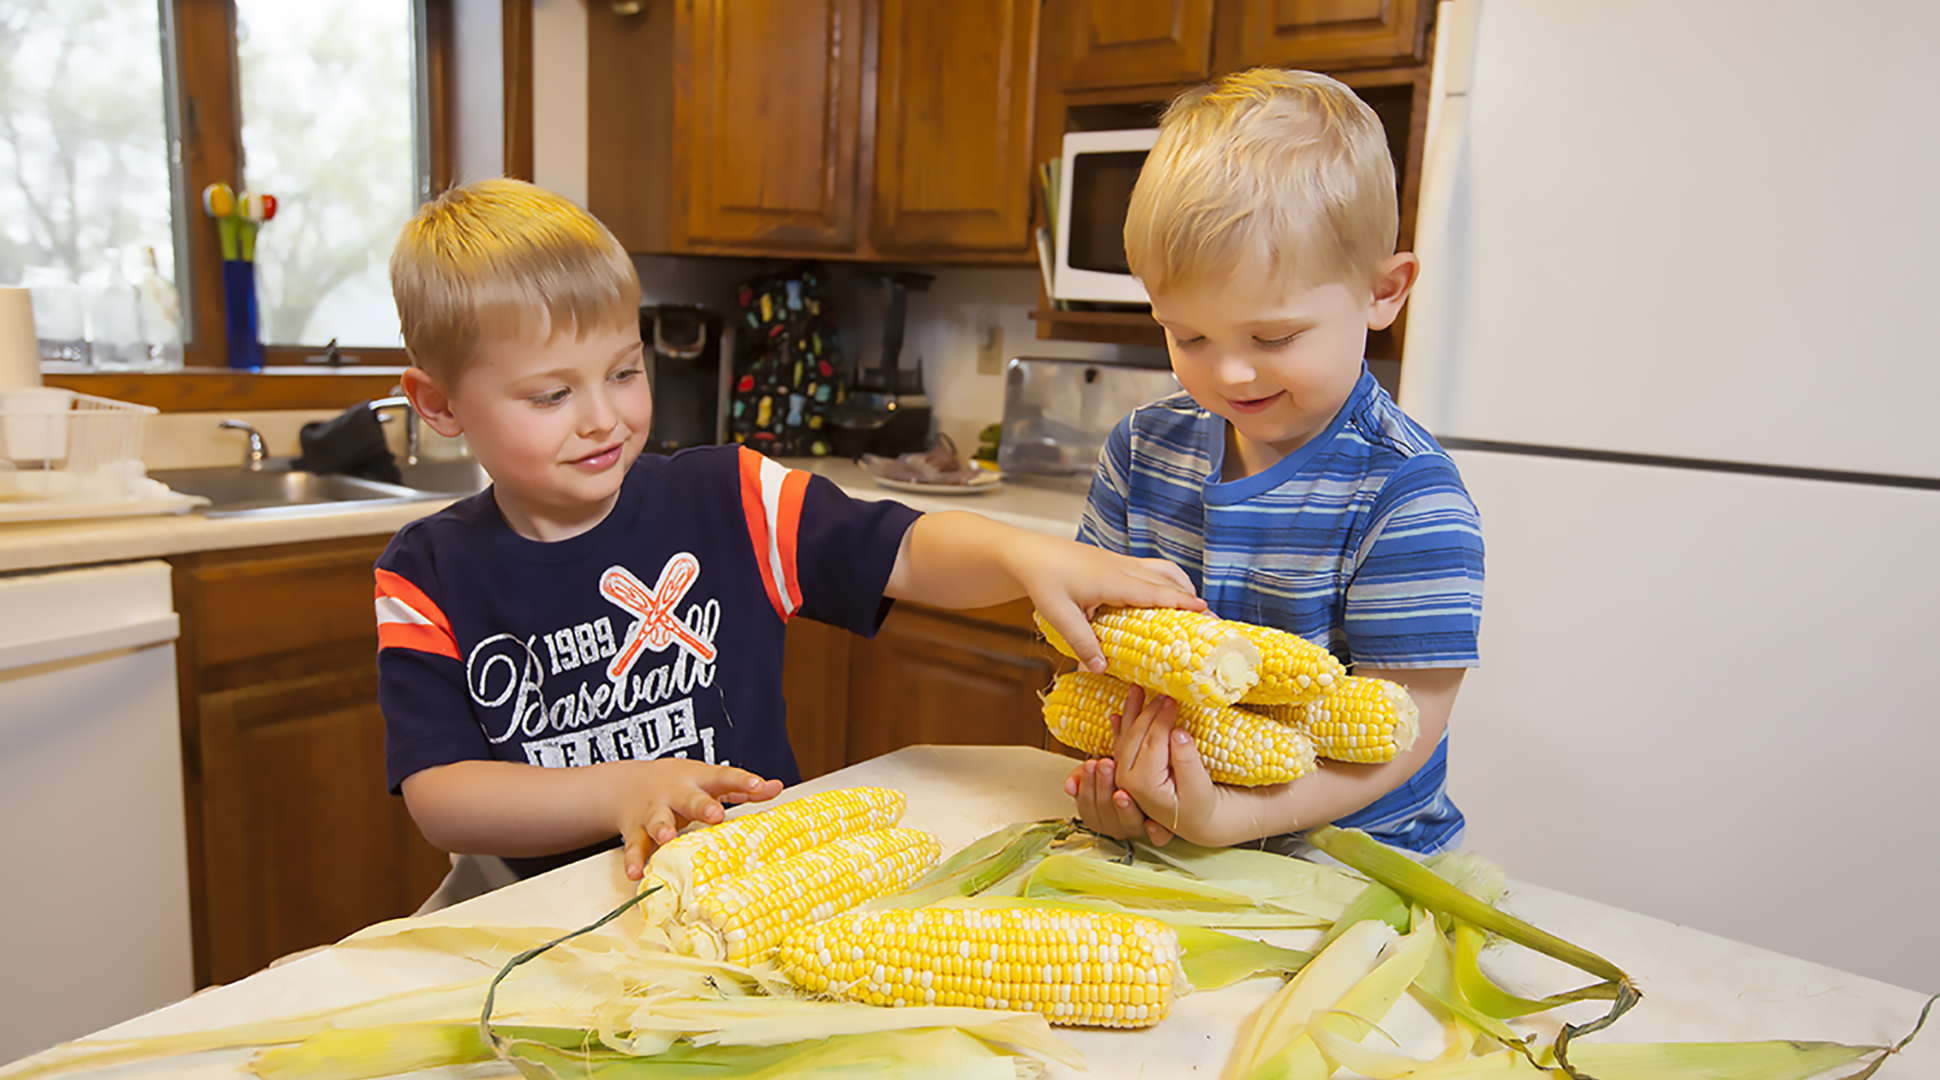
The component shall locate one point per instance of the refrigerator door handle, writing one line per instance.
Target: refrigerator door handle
(50, 650)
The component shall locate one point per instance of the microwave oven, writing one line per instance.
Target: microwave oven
(1094, 191)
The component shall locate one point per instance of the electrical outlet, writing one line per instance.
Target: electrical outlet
(990, 349)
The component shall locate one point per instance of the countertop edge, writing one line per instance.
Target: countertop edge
(27, 547)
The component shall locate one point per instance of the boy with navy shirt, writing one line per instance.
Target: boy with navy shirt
(1284, 480)
(588, 653)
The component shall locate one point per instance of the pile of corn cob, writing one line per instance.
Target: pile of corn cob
(780, 886)
(1261, 704)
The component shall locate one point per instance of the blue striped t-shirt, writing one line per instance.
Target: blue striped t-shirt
(1363, 540)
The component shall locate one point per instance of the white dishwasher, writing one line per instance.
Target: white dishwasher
(94, 913)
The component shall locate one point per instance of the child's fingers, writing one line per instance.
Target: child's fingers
(1168, 573)
(1129, 735)
(1157, 833)
(636, 853)
(1189, 772)
(1143, 746)
(1071, 624)
(692, 803)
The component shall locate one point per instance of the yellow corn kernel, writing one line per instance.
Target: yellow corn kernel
(1293, 670)
(1239, 747)
(695, 859)
(1361, 720)
(742, 917)
(1189, 656)
(1138, 956)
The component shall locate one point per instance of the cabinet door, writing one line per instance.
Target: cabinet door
(934, 676)
(953, 132)
(294, 840)
(301, 843)
(1108, 43)
(768, 107)
(1322, 34)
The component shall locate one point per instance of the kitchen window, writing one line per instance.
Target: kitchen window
(115, 115)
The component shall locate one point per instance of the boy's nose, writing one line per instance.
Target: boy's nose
(597, 414)
(1234, 370)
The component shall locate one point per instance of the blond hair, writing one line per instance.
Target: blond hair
(500, 258)
(1289, 166)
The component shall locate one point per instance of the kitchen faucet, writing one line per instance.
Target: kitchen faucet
(399, 401)
(256, 452)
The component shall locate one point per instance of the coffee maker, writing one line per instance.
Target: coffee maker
(686, 375)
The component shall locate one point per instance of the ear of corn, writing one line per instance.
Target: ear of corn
(1083, 968)
(1368, 721)
(1190, 656)
(695, 859)
(1239, 747)
(1293, 670)
(744, 916)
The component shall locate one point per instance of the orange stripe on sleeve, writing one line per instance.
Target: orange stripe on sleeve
(794, 488)
(407, 619)
(753, 509)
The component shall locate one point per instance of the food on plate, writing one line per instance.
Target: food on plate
(1079, 968)
(938, 465)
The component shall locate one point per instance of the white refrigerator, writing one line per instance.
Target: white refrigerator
(1679, 324)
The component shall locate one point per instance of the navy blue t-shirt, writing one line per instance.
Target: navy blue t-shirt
(657, 633)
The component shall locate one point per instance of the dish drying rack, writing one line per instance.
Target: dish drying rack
(68, 454)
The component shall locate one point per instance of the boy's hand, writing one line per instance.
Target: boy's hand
(1102, 806)
(651, 800)
(1069, 581)
(1159, 766)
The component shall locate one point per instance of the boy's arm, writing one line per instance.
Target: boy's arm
(510, 808)
(959, 559)
(1159, 769)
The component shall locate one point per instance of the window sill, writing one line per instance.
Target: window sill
(224, 390)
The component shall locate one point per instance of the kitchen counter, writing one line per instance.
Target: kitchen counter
(47, 544)
(1696, 986)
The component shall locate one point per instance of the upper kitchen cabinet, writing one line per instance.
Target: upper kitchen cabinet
(857, 129)
(1108, 43)
(1323, 35)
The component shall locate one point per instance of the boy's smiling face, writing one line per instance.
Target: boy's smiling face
(1276, 362)
(557, 422)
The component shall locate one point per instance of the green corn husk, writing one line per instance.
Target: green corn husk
(1420, 885)
(941, 1053)
(982, 864)
(1376, 901)
(1321, 983)
(363, 1053)
(1366, 1002)
(1294, 885)
(1213, 959)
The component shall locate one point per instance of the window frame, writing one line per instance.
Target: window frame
(205, 133)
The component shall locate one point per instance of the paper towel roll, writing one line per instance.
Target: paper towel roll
(19, 350)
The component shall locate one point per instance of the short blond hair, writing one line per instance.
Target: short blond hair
(1290, 166)
(497, 259)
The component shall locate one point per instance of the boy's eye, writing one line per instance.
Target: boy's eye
(627, 374)
(1186, 342)
(1278, 342)
(550, 397)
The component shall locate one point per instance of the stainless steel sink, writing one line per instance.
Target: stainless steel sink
(458, 476)
(234, 490)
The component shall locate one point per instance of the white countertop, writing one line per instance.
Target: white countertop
(49, 544)
(1697, 987)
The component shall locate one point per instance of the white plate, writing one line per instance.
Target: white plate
(984, 481)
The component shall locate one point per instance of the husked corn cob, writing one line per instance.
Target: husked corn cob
(743, 916)
(1292, 669)
(693, 860)
(1239, 747)
(1081, 968)
(1361, 720)
(1186, 655)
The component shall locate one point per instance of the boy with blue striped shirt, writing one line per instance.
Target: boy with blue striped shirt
(1284, 480)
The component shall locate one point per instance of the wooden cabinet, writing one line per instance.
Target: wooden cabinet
(1323, 35)
(928, 676)
(767, 118)
(859, 129)
(1107, 43)
(293, 839)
